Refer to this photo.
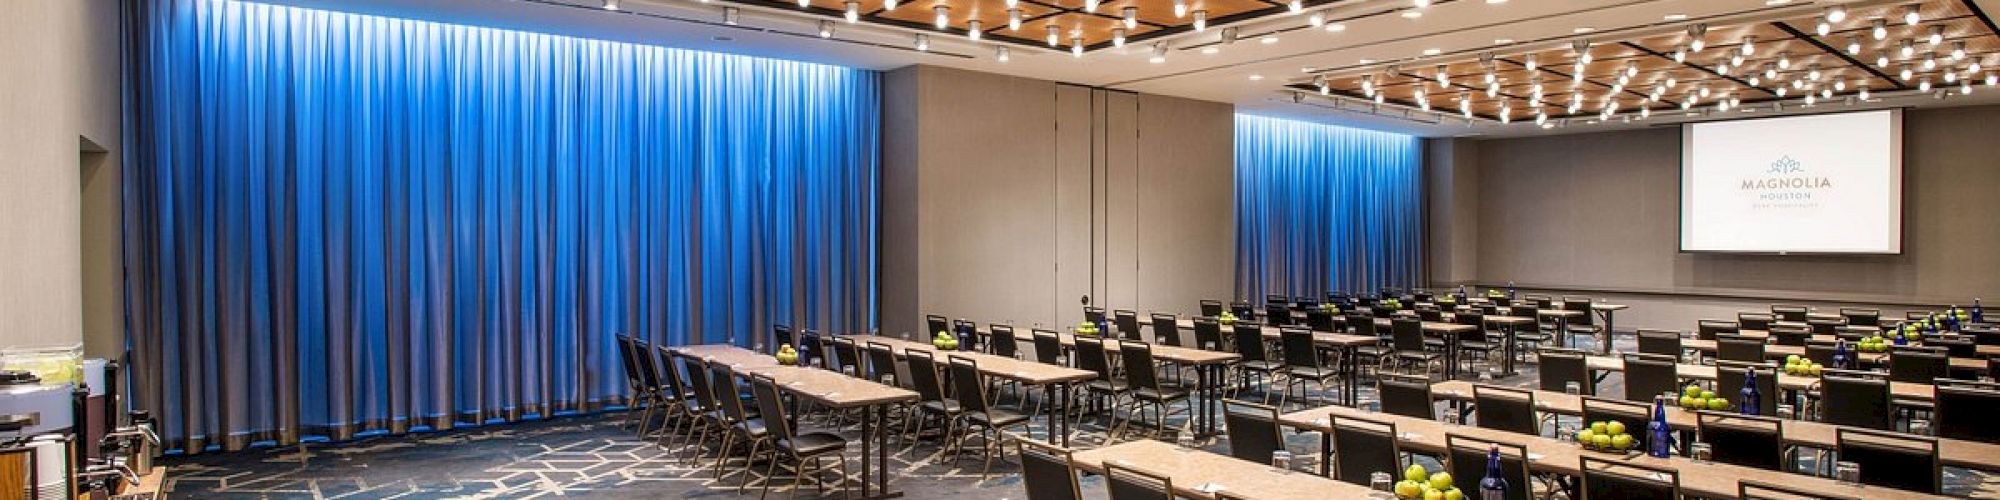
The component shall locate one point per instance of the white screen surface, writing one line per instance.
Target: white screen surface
(1808, 184)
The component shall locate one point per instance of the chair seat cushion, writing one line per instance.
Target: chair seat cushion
(752, 427)
(1307, 372)
(1416, 354)
(1168, 394)
(1113, 386)
(947, 407)
(1259, 366)
(813, 443)
(1475, 345)
(995, 417)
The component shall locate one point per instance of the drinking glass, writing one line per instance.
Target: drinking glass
(1701, 451)
(1572, 388)
(1186, 441)
(1445, 417)
(1785, 412)
(1381, 481)
(1565, 433)
(1281, 460)
(1920, 426)
(1847, 472)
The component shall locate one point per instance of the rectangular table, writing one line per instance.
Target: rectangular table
(1209, 371)
(1905, 391)
(1347, 344)
(831, 389)
(1549, 455)
(1778, 351)
(1199, 474)
(1954, 452)
(1055, 381)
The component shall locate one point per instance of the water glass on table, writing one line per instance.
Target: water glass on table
(1572, 388)
(1701, 451)
(1786, 412)
(1847, 472)
(1383, 485)
(1281, 460)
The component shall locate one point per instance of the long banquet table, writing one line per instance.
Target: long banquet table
(1055, 381)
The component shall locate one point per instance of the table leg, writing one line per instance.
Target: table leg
(1351, 393)
(1049, 398)
(867, 426)
(1609, 331)
(1326, 453)
(1512, 337)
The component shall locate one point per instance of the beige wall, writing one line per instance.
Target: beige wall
(58, 88)
(1600, 212)
(1007, 199)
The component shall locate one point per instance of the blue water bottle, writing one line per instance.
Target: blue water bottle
(1660, 442)
(1751, 401)
(1511, 293)
(1494, 485)
(1978, 313)
(1840, 354)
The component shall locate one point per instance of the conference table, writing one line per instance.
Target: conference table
(1706, 479)
(1510, 328)
(1210, 368)
(1954, 452)
(1906, 393)
(1201, 474)
(1055, 381)
(1348, 345)
(1780, 351)
(827, 388)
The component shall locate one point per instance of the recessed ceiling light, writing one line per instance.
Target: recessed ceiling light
(1412, 14)
(1256, 77)
(1367, 61)
(1677, 17)
(1776, 2)
(1496, 1)
(1269, 39)
(1583, 29)
(1432, 52)
(1209, 50)
(1503, 41)
(1336, 27)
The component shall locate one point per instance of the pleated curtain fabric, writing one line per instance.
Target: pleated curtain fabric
(338, 224)
(1325, 208)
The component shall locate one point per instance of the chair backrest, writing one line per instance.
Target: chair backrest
(1123, 482)
(1790, 334)
(1821, 351)
(1957, 346)
(1579, 304)
(1242, 310)
(1207, 333)
(1632, 414)
(1859, 399)
(677, 385)
(968, 384)
(1961, 409)
(1406, 395)
(1647, 376)
(630, 359)
(1429, 314)
(1918, 366)
(969, 332)
(1540, 301)
(1362, 324)
(1363, 446)
(1408, 332)
(1755, 321)
(1619, 479)
(1166, 329)
(847, 354)
(1663, 342)
(1825, 326)
(1253, 430)
(1790, 312)
(727, 393)
(1278, 314)
(1758, 490)
(937, 324)
(882, 364)
(1319, 320)
(810, 348)
(1048, 347)
(1729, 376)
(1127, 322)
(1095, 315)
(1891, 459)
(1249, 341)
(1747, 349)
(1562, 366)
(1090, 356)
(1707, 329)
(1138, 359)
(1300, 352)
(1506, 408)
(782, 335)
(1861, 317)
(770, 406)
(1466, 459)
(1750, 441)
(924, 375)
(1211, 308)
(704, 390)
(1003, 343)
(1048, 472)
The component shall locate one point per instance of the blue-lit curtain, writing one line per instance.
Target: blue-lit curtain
(340, 224)
(1324, 208)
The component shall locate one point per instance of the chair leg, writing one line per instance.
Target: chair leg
(769, 469)
(728, 442)
(748, 462)
(986, 449)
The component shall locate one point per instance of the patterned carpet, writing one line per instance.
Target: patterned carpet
(596, 456)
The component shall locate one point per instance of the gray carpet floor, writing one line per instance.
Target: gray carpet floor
(598, 456)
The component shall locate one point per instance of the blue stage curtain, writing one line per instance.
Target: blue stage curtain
(1325, 208)
(341, 224)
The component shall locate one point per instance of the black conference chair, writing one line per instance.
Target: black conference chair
(1095, 315)
(882, 365)
(1918, 366)
(1893, 460)
(1255, 358)
(1962, 407)
(1048, 472)
(1147, 389)
(1506, 409)
(1302, 364)
(1123, 482)
(1048, 348)
(1531, 339)
(781, 335)
(1755, 321)
(1790, 312)
(1861, 317)
(969, 385)
(1003, 343)
(1750, 441)
(1410, 349)
(937, 324)
(1647, 376)
(1632, 414)
(1822, 352)
(927, 380)
(1857, 399)
(1278, 314)
(744, 428)
(1167, 330)
(1560, 367)
(1621, 480)
(1127, 323)
(1758, 490)
(1319, 320)
(1363, 446)
(1708, 329)
(1207, 334)
(1825, 326)
(1729, 377)
(1253, 430)
(1466, 458)
(1581, 324)
(1211, 308)
(800, 447)
(1731, 347)
(1790, 334)
(1661, 342)
(847, 355)
(1243, 311)
(1406, 395)
(1092, 356)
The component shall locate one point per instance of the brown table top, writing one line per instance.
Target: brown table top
(1272, 332)
(1955, 452)
(826, 387)
(1906, 391)
(1705, 479)
(1774, 351)
(1198, 474)
(1026, 372)
(1182, 355)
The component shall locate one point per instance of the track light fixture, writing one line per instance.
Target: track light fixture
(1201, 20)
(610, 4)
(852, 12)
(1911, 16)
(943, 17)
(972, 29)
(1853, 45)
(1001, 54)
(1118, 37)
(1131, 17)
(1880, 30)
(1695, 36)
(1836, 13)
(923, 42)
(1014, 19)
(1180, 8)
(731, 16)
(1159, 52)
(826, 29)
(1055, 35)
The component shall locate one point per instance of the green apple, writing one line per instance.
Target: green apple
(1441, 480)
(1408, 489)
(1622, 441)
(1454, 494)
(1615, 427)
(1690, 402)
(1583, 436)
(1693, 390)
(1707, 395)
(1598, 428)
(1815, 370)
(1433, 495)
(1718, 404)
(1600, 441)
(1792, 359)
(1416, 473)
